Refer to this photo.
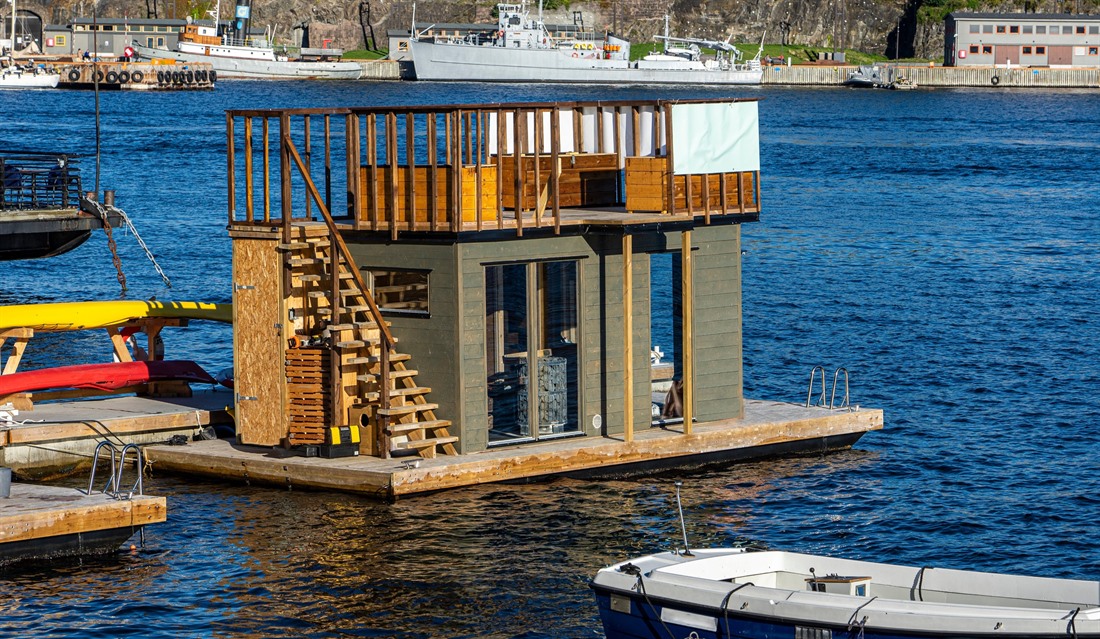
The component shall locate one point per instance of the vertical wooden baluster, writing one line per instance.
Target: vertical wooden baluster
(391, 172)
(456, 173)
(517, 154)
(555, 165)
(267, 169)
(309, 163)
(372, 181)
(480, 154)
(501, 135)
(230, 158)
(353, 159)
(249, 206)
(537, 164)
(410, 168)
(433, 172)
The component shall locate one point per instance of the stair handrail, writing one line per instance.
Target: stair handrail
(138, 486)
(95, 464)
(345, 254)
(832, 398)
(810, 392)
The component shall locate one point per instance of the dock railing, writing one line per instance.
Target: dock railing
(461, 168)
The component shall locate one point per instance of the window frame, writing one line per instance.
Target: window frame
(371, 272)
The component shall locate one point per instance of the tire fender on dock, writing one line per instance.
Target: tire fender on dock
(137, 76)
(123, 77)
(74, 75)
(112, 77)
(995, 80)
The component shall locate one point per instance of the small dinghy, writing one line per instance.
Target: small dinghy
(719, 593)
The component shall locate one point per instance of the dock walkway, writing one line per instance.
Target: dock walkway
(65, 434)
(768, 428)
(49, 522)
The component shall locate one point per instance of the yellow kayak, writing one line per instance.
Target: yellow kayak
(78, 316)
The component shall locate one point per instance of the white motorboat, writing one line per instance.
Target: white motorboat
(716, 593)
(523, 50)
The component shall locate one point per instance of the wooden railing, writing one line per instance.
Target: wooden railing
(467, 168)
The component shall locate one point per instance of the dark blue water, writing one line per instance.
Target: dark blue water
(941, 245)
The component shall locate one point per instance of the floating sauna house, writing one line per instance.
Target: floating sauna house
(454, 279)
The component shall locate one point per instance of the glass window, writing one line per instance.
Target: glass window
(60, 40)
(987, 49)
(1014, 29)
(1027, 50)
(403, 292)
(1054, 29)
(551, 313)
(149, 41)
(106, 27)
(403, 45)
(1094, 30)
(1000, 28)
(1028, 28)
(975, 28)
(1092, 50)
(973, 48)
(1081, 30)
(1041, 29)
(1040, 50)
(987, 28)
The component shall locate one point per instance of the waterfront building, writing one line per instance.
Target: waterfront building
(1024, 39)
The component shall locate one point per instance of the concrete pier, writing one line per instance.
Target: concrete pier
(937, 76)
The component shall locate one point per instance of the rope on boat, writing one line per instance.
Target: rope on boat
(652, 608)
(918, 585)
(1072, 629)
(725, 607)
(133, 229)
(852, 623)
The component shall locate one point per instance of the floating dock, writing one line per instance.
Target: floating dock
(768, 429)
(47, 522)
(61, 437)
(138, 76)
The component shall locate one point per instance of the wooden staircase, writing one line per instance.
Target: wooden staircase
(363, 379)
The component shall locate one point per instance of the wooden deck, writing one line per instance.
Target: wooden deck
(64, 434)
(769, 428)
(46, 522)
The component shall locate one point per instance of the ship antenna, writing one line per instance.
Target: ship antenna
(683, 528)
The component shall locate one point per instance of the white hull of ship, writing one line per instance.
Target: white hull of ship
(242, 68)
(464, 63)
(11, 80)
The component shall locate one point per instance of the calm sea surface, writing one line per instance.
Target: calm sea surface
(943, 246)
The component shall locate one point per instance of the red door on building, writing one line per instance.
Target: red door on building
(1004, 54)
(1059, 55)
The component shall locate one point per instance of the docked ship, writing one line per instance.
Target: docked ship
(523, 50)
(237, 53)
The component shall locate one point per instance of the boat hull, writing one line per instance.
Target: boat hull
(242, 68)
(29, 80)
(463, 63)
(767, 595)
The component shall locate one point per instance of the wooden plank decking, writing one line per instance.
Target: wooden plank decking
(45, 522)
(769, 428)
(64, 434)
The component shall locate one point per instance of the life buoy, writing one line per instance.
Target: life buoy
(74, 75)
(112, 77)
(137, 76)
(994, 80)
(124, 77)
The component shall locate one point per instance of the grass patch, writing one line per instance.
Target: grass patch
(363, 54)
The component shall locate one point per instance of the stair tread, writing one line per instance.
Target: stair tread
(399, 392)
(375, 359)
(424, 443)
(406, 409)
(411, 426)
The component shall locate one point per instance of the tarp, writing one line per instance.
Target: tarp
(719, 137)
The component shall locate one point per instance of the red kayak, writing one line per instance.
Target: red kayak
(107, 377)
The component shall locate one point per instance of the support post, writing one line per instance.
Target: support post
(687, 275)
(628, 338)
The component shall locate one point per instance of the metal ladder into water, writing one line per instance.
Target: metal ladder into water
(113, 487)
(831, 405)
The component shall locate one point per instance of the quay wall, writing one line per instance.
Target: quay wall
(807, 75)
(380, 69)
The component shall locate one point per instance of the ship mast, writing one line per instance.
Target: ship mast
(12, 34)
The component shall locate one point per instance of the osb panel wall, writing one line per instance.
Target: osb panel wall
(258, 343)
